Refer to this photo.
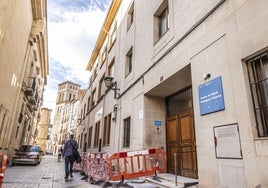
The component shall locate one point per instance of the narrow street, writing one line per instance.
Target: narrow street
(149, 93)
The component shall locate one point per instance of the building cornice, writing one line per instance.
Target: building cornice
(103, 33)
(39, 33)
(68, 82)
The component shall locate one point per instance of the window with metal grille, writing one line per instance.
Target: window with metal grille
(88, 104)
(93, 98)
(128, 67)
(89, 137)
(17, 130)
(257, 68)
(161, 21)
(112, 36)
(106, 130)
(179, 102)
(111, 68)
(126, 132)
(163, 26)
(130, 16)
(103, 56)
(97, 133)
(102, 87)
(80, 140)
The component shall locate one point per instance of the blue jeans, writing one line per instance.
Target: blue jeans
(68, 165)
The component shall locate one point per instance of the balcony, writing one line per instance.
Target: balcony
(34, 99)
(30, 86)
(20, 118)
(30, 107)
(34, 107)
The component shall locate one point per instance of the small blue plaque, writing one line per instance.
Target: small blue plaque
(157, 123)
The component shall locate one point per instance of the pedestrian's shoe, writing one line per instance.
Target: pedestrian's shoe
(66, 178)
(71, 175)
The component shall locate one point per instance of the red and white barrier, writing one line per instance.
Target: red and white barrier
(3, 164)
(107, 167)
(133, 164)
(98, 169)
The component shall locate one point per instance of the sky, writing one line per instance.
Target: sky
(73, 28)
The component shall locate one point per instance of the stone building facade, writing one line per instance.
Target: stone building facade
(23, 72)
(43, 129)
(189, 77)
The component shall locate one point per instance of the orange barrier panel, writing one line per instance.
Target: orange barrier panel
(98, 167)
(133, 164)
(3, 164)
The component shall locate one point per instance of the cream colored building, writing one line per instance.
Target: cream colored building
(43, 129)
(65, 118)
(188, 76)
(23, 72)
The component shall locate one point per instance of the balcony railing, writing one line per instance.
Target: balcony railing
(30, 87)
(34, 107)
(29, 106)
(34, 99)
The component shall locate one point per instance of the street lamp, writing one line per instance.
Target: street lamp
(108, 81)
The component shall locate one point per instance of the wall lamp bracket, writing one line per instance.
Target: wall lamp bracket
(108, 81)
(206, 76)
(80, 122)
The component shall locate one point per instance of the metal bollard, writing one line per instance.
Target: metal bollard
(175, 160)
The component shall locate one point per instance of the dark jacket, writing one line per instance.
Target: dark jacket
(69, 146)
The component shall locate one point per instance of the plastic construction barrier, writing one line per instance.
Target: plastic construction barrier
(3, 164)
(83, 166)
(105, 167)
(84, 162)
(98, 167)
(134, 164)
(79, 166)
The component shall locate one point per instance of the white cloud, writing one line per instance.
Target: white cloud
(72, 42)
(50, 98)
(71, 39)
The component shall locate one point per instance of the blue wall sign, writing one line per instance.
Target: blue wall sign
(157, 123)
(211, 96)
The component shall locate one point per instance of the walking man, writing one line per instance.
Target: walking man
(69, 146)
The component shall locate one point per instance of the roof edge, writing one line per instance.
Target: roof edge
(102, 35)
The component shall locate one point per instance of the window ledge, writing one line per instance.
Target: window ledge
(261, 146)
(259, 139)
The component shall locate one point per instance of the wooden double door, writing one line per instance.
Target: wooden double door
(181, 145)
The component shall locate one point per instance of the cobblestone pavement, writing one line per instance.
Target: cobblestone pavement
(50, 173)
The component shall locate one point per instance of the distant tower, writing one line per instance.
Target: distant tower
(66, 97)
(67, 91)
